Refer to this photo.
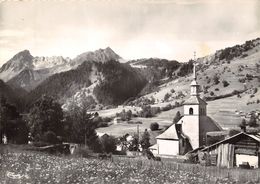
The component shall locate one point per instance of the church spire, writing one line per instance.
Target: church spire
(194, 84)
(194, 67)
(194, 72)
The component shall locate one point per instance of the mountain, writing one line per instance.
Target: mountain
(101, 55)
(229, 80)
(26, 71)
(14, 96)
(108, 83)
(14, 66)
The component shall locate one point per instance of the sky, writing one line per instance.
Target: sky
(171, 29)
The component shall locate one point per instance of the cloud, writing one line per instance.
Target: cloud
(170, 29)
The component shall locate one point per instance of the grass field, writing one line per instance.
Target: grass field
(33, 167)
(222, 111)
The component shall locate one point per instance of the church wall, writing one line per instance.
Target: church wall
(168, 147)
(190, 128)
(187, 108)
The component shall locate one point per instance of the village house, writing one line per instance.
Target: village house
(240, 150)
(190, 131)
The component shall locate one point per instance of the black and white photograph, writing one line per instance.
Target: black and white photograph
(129, 91)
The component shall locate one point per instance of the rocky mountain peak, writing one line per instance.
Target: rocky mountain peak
(18, 62)
(100, 55)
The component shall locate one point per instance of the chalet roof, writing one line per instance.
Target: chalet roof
(194, 100)
(255, 137)
(169, 134)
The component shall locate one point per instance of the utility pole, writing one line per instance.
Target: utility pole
(137, 137)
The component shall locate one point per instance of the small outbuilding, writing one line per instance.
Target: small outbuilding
(240, 150)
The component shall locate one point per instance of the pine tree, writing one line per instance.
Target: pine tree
(252, 122)
(80, 127)
(145, 140)
(46, 115)
(177, 117)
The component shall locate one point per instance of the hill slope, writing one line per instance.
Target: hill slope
(14, 96)
(108, 83)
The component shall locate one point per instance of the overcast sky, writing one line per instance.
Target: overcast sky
(170, 29)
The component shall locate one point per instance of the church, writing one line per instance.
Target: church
(190, 131)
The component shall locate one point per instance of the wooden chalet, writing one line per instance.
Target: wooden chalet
(240, 150)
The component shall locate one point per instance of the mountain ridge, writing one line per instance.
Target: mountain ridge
(22, 68)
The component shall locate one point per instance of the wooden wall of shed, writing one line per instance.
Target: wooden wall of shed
(240, 145)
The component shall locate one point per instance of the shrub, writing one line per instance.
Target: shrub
(249, 77)
(102, 124)
(225, 83)
(242, 80)
(50, 137)
(154, 126)
(166, 108)
(148, 111)
(211, 93)
(216, 79)
(108, 143)
(172, 91)
(216, 89)
(166, 96)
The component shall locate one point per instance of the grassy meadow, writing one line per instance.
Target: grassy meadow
(19, 166)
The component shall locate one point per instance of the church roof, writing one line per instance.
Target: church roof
(169, 134)
(194, 83)
(206, 121)
(194, 100)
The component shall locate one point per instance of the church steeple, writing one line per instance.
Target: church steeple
(194, 85)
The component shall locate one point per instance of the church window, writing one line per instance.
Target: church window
(191, 111)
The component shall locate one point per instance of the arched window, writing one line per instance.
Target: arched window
(191, 111)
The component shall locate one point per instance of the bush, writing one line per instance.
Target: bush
(166, 96)
(167, 107)
(242, 80)
(216, 79)
(50, 137)
(249, 77)
(252, 122)
(211, 93)
(108, 143)
(154, 126)
(216, 89)
(172, 91)
(225, 83)
(102, 124)
(148, 111)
